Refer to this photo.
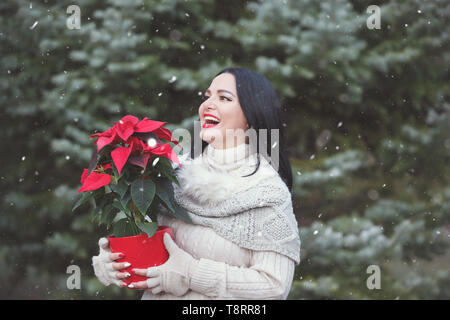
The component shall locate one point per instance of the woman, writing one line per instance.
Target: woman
(244, 243)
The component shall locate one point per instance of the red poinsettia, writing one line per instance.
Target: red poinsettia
(96, 179)
(129, 125)
(135, 142)
(131, 190)
(141, 152)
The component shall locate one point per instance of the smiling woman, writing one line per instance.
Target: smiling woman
(244, 243)
(221, 113)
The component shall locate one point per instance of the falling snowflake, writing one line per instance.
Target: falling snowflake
(315, 232)
(23, 158)
(160, 94)
(34, 25)
(67, 157)
(155, 161)
(173, 79)
(339, 124)
(151, 142)
(312, 157)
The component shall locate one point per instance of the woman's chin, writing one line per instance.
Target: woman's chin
(210, 134)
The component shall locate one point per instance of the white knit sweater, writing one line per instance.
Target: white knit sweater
(225, 270)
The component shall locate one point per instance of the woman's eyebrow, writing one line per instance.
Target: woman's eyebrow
(221, 90)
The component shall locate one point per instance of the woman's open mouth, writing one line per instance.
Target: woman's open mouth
(210, 121)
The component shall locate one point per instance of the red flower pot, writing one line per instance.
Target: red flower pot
(141, 251)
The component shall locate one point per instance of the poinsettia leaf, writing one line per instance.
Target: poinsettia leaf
(115, 172)
(164, 190)
(126, 198)
(120, 188)
(84, 197)
(108, 217)
(107, 199)
(142, 193)
(166, 169)
(148, 227)
(94, 160)
(118, 204)
(123, 228)
(104, 212)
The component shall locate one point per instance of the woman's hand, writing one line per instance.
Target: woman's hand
(106, 270)
(173, 276)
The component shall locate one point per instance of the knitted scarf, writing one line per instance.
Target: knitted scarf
(254, 212)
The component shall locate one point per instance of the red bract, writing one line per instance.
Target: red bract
(105, 138)
(120, 156)
(96, 179)
(164, 150)
(128, 125)
(130, 139)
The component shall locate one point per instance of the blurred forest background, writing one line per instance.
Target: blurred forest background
(368, 117)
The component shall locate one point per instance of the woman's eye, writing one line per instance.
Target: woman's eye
(221, 97)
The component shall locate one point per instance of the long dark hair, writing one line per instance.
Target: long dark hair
(262, 109)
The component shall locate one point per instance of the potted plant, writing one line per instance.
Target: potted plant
(129, 178)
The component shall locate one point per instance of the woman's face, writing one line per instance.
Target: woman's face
(221, 102)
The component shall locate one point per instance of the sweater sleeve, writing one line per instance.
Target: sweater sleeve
(269, 277)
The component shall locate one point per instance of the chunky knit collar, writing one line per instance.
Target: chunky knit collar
(217, 173)
(236, 160)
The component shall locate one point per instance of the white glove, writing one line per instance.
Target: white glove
(104, 267)
(173, 276)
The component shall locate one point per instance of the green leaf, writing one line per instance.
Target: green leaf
(164, 191)
(124, 201)
(84, 197)
(148, 227)
(166, 169)
(123, 228)
(120, 188)
(107, 199)
(115, 171)
(108, 218)
(142, 193)
(119, 205)
(95, 157)
(104, 213)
